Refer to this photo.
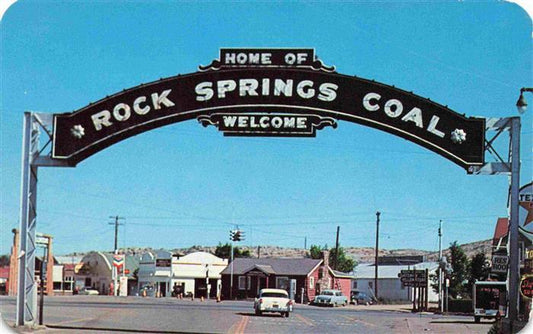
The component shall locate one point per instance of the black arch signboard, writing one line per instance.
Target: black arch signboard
(268, 92)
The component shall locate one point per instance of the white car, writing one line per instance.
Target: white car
(273, 300)
(88, 291)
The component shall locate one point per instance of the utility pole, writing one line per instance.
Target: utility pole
(305, 243)
(114, 273)
(440, 267)
(376, 265)
(336, 249)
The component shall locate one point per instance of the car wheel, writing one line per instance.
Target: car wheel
(286, 314)
(257, 312)
(477, 319)
(344, 304)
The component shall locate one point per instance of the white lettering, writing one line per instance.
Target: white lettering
(305, 94)
(230, 58)
(277, 122)
(283, 87)
(264, 122)
(432, 127)
(302, 57)
(243, 121)
(327, 92)
(300, 122)
(266, 87)
(229, 121)
(366, 101)
(289, 122)
(253, 124)
(137, 106)
(393, 108)
(101, 118)
(265, 58)
(122, 116)
(157, 99)
(204, 91)
(290, 58)
(225, 86)
(248, 86)
(241, 58)
(254, 58)
(415, 115)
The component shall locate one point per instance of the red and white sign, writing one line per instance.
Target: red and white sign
(118, 260)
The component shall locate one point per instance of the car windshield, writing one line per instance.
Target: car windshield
(327, 293)
(274, 294)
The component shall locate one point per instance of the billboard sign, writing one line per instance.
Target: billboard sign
(256, 89)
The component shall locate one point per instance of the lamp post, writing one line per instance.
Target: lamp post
(521, 104)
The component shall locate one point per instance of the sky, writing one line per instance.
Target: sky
(183, 184)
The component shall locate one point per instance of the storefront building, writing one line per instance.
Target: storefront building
(194, 275)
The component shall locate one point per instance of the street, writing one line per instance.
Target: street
(105, 314)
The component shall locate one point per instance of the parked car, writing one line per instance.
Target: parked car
(88, 291)
(360, 298)
(331, 298)
(273, 300)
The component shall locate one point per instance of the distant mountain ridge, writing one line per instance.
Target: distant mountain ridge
(360, 254)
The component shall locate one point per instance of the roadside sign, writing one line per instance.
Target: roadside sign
(118, 260)
(413, 278)
(526, 286)
(499, 263)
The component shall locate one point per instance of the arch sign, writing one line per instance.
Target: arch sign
(268, 92)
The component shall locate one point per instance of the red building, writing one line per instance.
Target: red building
(311, 276)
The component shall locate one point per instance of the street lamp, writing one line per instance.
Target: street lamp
(521, 104)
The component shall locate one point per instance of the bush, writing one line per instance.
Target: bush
(460, 305)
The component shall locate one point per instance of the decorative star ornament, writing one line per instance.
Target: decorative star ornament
(528, 205)
(458, 136)
(77, 131)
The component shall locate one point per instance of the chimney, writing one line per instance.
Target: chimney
(325, 256)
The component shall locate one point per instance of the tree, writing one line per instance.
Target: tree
(344, 262)
(315, 252)
(4, 260)
(461, 269)
(224, 251)
(479, 270)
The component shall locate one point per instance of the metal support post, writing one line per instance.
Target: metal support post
(26, 296)
(514, 265)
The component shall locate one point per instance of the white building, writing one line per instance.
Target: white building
(196, 274)
(389, 285)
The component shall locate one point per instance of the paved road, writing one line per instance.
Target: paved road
(104, 314)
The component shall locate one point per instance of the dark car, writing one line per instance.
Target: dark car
(360, 298)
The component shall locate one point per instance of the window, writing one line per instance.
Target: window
(242, 282)
(371, 285)
(320, 273)
(282, 282)
(311, 282)
(249, 282)
(57, 285)
(354, 285)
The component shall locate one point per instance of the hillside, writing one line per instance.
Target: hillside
(360, 254)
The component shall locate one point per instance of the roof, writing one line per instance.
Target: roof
(367, 270)
(291, 266)
(66, 259)
(341, 274)
(502, 226)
